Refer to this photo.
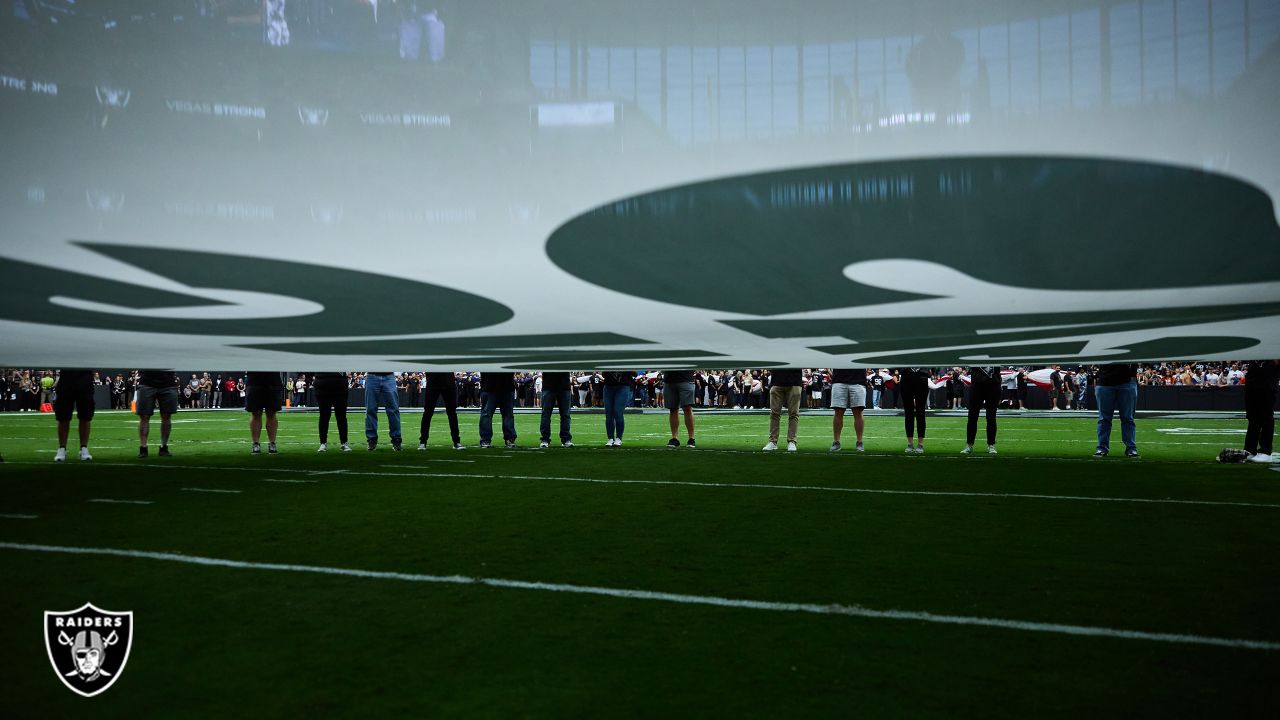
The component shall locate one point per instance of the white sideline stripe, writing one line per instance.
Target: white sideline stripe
(426, 467)
(210, 490)
(628, 594)
(821, 488)
(18, 516)
(282, 480)
(122, 502)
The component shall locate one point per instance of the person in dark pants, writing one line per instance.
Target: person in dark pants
(914, 389)
(74, 392)
(1259, 405)
(440, 386)
(331, 396)
(1117, 389)
(618, 388)
(984, 392)
(497, 391)
(557, 391)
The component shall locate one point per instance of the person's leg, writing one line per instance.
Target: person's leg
(166, 424)
(1266, 434)
(1127, 403)
(991, 398)
(326, 409)
(272, 425)
(340, 415)
(908, 413)
(507, 403)
(450, 395)
(371, 383)
(562, 404)
(488, 401)
(837, 424)
(610, 397)
(391, 402)
(544, 425)
(858, 424)
(85, 425)
(620, 423)
(144, 429)
(971, 427)
(255, 426)
(921, 397)
(793, 413)
(430, 395)
(1106, 397)
(688, 420)
(775, 412)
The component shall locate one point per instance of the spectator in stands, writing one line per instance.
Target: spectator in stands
(556, 395)
(1259, 409)
(74, 392)
(1117, 389)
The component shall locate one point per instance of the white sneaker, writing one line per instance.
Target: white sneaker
(566, 444)
(991, 450)
(422, 446)
(346, 447)
(911, 449)
(617, 442)
(859, 448)
(61, 455)
(324, 447)
(920, 449)
(770, 446)
(84, 453)
(791, 447)
(544, 445)
(1259, 458)
(608, 443)
(967, 450)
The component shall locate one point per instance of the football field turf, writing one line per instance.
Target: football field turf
(720, 581)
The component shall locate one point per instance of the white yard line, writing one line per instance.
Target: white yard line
(211, 490)
(821, 488)
(670, 597)
(122, 502)
(18, 516)
(282, 480)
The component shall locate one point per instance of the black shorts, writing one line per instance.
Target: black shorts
(262, 398)
(78, 399)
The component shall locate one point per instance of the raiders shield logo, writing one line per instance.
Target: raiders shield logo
(88, 647)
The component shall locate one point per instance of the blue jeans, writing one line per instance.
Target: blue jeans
(875, 398)
(380, 390)
(616, 400)
(1117, 397)
(491, 401)
(557, 399)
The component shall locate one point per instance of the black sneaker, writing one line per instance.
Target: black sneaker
(373, 445)
(256, 449)
(1131, 453)
(691, 443)
(164, 451)
(142, 452)
(395, 445)
(271, 448)
(673, 443)
(1099, 453)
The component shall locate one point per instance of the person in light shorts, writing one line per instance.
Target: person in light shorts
(848, 392)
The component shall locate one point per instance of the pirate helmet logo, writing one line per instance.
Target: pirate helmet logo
(88, 647)
(113, 97)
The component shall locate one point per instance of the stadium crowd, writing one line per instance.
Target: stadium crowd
(263, 394)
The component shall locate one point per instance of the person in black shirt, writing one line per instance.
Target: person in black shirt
(440, 386)
(914, 389)
(1117, 389)
(331, 395)
(73, 391)
(1055, 387)
(984, 392)
(848, 392)
(557, 393)
(617, 397)
(497, 391)
(1259, 405)
(262, 395)
(156, 388)
(1021, 385)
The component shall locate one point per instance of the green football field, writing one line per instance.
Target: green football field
(642, 581)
